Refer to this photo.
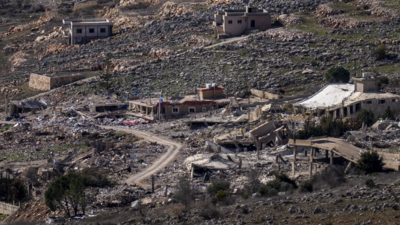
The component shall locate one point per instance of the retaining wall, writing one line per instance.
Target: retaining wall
(45, 83)
(7, 209)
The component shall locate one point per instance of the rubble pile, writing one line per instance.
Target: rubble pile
(381, 9)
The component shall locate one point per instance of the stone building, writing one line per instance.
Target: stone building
(235, 22)
(48, 82)
(82, 31)
(346, 100)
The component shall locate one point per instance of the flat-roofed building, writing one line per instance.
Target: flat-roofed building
(82, 31)
(236, 22)
(346, 100)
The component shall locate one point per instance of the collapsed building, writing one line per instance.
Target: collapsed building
(152, 108)
(346, 100)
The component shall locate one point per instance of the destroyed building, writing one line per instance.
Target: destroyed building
(235, 22)
(25, 106)
(346, 100)
(149, 108)
(82, 31)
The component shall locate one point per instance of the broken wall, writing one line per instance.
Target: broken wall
(263, 129)
(264, 94)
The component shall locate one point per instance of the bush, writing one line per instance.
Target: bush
(366, 117)
(370, 162)
(337, 75)
(370, 183)
(306, 186)
(390, 114)
(184, 192)
(281, 183)
(380, 52)
(218, 185)
(221, 195)
(209, 211)
(382, 81)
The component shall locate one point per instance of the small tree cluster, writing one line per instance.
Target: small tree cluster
(337, 75)
(381, 81)
(388, 114)
(370, 162)
(365, 117)
(281, 183)
(218, 189)
(184, 192)
(12, 189)
(68, 193)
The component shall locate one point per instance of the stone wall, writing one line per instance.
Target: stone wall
(45, 83)
(7, 209)
(263, 94)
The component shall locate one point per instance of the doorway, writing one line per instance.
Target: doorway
(253, 23)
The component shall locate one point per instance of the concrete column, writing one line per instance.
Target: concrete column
(342, 112)
(147, 110)
(318, 112)
(310, 168)
(293, 168)
(294, 153)
(312, 154)
(348, 111)
(331, 157)
(334, 114)
(348, 167)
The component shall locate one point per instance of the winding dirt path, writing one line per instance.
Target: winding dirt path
(160, 163)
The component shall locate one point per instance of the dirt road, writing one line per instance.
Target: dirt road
(160, 163)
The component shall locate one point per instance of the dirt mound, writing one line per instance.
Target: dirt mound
(197, 41)
(170, 9)
(342, 22)
(381, 9)
(287, 20)
(325, 10)
(17, 60)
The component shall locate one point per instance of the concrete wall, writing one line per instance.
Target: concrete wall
(261, 22)
(209, 94)
(45, 83)
(264, 94)
(366, 85)
(7, 209)
(235, 28)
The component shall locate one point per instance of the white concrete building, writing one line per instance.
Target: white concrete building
(83, 31)
(346, 100)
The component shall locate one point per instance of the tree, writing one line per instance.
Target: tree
(370, 162)
(67, 193)
(106, 76)
(366, 117)
(337, 75)
(391, 114)
(184, 192)
(381, 81)
(380, 52)
(218, 185)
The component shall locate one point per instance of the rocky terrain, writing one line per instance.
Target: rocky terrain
(169, 47)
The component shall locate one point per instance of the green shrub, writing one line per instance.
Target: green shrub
(382, 81)
(245, 196)
(391, 114)
(306, 186)
(221, 195)
(370, 162)
(337, 75)
(366, 117)
(370, 183)
(380, 52)
(218, 185)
